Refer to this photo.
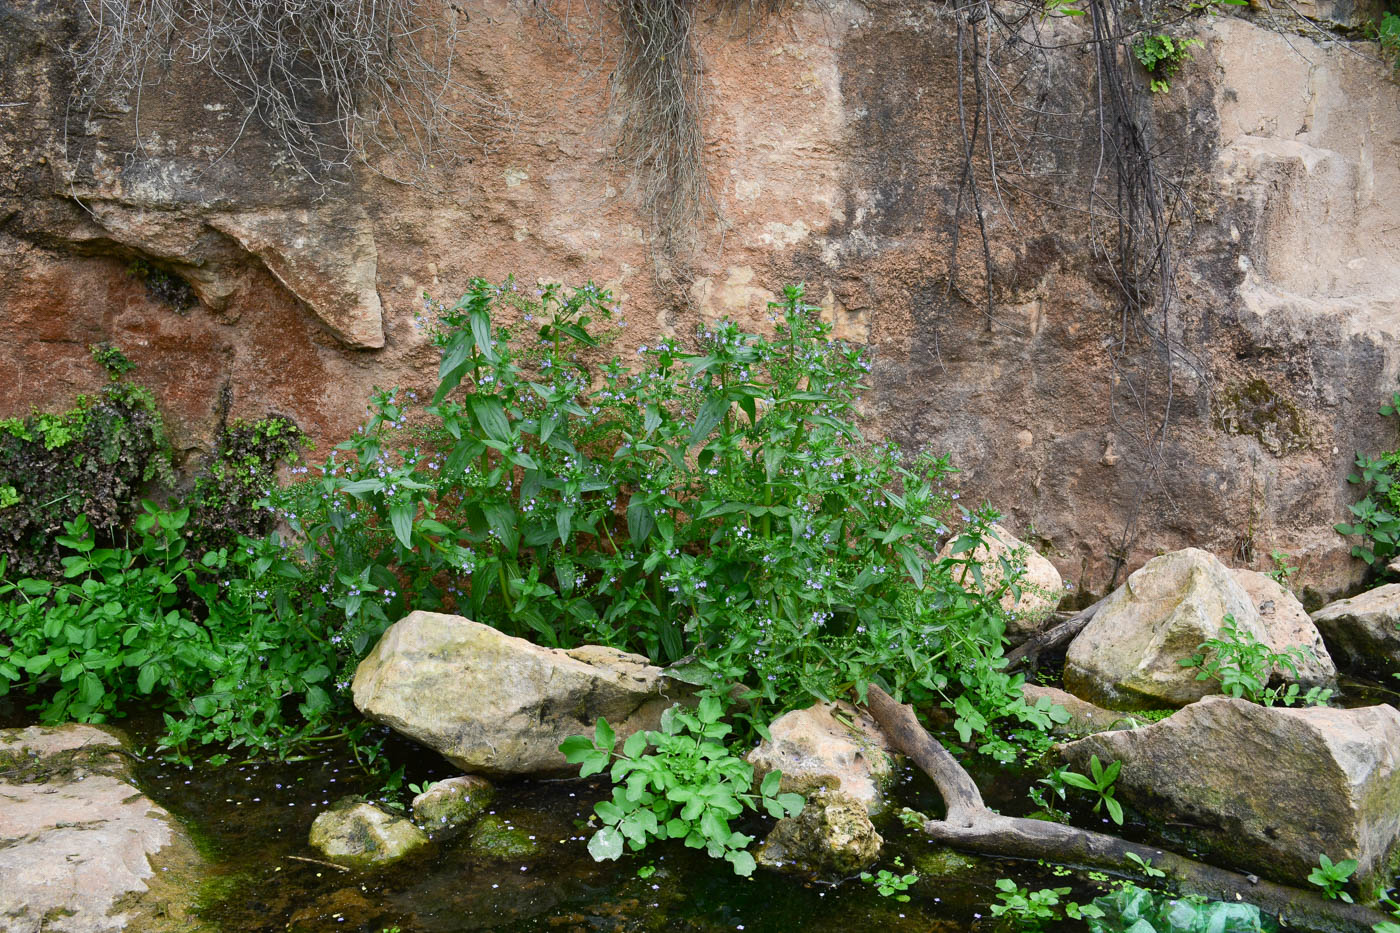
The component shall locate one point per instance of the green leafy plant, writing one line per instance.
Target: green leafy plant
(1243, 665)
(1099, 781)
(1028, 910)
(891, 883)
(242, 671)
(1332, 877)
(713, 504)
(1283, 572)
(1162, 56)
(1144, 865)
(1133, 909)
(689, 787)
(1375, 518)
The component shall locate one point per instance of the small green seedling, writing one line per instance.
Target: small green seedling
(1100, 782)
(1332, 877)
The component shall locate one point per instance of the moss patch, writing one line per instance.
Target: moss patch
(1254, 409)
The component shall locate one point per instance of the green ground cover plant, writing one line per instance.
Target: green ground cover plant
(1376, 518)
(1243, 665)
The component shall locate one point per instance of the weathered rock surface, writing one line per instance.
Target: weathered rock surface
(831, 838)
(493, 704)
(452, 802)
(81, 849)
(813, 748)
(1127, 656)
(357, 834)
(1364, 631)
(842, 177)
(1266, 789)
(1041, 585)
(506, 838)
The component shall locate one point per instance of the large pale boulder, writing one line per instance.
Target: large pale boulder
(1364, 631)
(1128, 656)
(82, 850)
(494, 704)
(831, 838)
(830, 746)
(1266, 789)
(1041, 586)
(357, 834)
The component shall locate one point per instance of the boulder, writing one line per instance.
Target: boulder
(494, 704)
(1286, 623)
(1041, 586)
(357, 834)
(453, 802)
(82, 850)
(1364, 631)
(813, 748)
(831, 838)
(1128, 656)
(1266, 789)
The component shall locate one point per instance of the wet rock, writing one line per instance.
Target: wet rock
(828, 746)
(1041, 586)
(81, 849)
(831, 838)
(1364, 631)
(945, 863)
(453, 802)
(1084, 717)
(357, 834)
(1127, 657)
(1266, 789)
(495, 837)
(494, 704)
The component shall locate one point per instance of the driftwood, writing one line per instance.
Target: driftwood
(971, 826)
(1057, 636)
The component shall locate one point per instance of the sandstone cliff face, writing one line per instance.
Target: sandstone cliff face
(834, 155)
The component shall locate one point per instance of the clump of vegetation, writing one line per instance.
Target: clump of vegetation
(689, 787)
(1243, 666)
(163, 285)
(1162, 56)
(228, 500)
(713, 506)
(1376, 518)
(90, 461)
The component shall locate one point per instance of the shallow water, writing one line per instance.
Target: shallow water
(253, 820)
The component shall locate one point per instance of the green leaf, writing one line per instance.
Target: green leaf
(491, 415)
(481, 333)
(606, 844)
(636, 744)
(1115, 810)
(710, 414)
(603, 736)
(401, 517)
(575, 748)
(771, 782)
(742, 861)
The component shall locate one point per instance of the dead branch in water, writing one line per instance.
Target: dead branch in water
(970, 825)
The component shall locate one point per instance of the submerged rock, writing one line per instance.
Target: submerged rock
(1041, 586)
(815, 749)
(357, 834)
(495, 837)
(1364, 631)
(1128, 656)
(831, 838)
(453, 802)
(81, 849)
(1266, 789)
(494, 704)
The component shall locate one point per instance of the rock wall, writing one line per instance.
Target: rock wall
(835, 158)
